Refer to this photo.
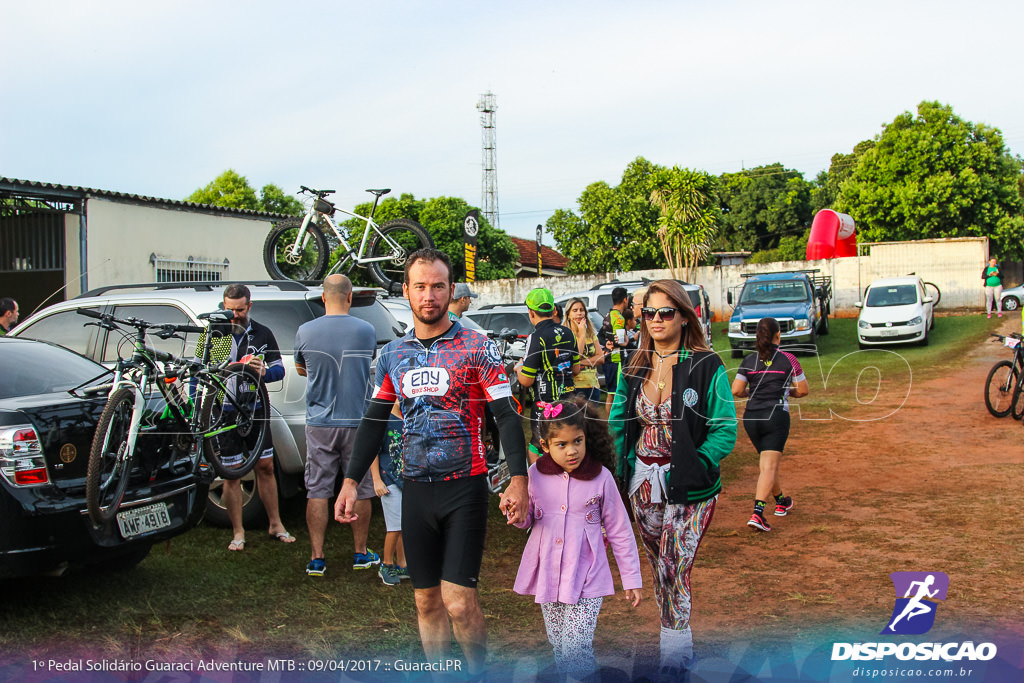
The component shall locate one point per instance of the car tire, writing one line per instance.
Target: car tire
(1010, 303)
(252, 507)
(737, 353)
(924, 339)
(823, 325)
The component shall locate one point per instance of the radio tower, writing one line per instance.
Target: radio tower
(488, 106)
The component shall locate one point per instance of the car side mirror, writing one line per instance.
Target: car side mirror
(859, 304)
(728, 298)
(927, 300)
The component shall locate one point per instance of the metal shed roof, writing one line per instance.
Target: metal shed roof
(53, 191)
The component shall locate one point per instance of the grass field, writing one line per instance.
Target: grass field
(191, 598)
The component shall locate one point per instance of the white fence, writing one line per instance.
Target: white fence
(953, 265)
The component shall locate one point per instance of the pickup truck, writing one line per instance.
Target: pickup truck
(800, 300)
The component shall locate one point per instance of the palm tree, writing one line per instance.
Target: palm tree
(690, 215)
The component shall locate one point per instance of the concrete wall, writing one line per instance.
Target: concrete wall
(122, 236)
(954, 265)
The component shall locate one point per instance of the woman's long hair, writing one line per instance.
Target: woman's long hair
(767, 328)
(591, 332)
(693, 334)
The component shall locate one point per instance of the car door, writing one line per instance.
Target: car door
(65, 328)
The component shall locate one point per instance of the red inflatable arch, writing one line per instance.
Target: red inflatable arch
(832, 235)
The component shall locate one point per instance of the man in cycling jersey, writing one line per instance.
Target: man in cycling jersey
(552, 360)
(442, 373)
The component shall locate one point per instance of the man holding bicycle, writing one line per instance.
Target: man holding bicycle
(255, 345)
(442, 373)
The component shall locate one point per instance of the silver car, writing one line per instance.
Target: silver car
(282, 305)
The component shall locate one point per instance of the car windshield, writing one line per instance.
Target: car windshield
(775, 292)
(28, 368)
(894, 295)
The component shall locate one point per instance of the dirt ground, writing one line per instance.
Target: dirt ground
(934, 486)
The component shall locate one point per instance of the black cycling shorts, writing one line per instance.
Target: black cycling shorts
(444, 524)
(768, 429)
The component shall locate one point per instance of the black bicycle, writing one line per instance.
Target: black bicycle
(1004, 388)
(220, 411)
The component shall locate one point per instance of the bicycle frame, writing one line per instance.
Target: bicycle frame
(317, 217)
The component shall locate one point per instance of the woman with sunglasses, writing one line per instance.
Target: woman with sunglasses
(673, 420)
(769, 377)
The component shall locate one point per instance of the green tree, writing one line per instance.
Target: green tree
(763, 205)
(443, 218)
(231, 189)
(936, 175)
(274, 200)
(689, 217)
(616, 227)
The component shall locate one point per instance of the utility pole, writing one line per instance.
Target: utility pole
(487, 106)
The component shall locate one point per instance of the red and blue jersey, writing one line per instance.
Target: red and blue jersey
(443, 390)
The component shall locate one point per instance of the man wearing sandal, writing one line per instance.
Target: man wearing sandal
(255, 344)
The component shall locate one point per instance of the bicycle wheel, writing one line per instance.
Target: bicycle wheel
(403, 236)
(999, 388)
(310, 263)
(235, 421)
(107, 476)
(1017, 402)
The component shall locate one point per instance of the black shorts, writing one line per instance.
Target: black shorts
(768, 429)
(444, 524)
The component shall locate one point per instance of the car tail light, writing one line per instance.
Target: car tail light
(697, 311)
(22, 462)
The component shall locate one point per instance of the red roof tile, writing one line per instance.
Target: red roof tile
(528, 254)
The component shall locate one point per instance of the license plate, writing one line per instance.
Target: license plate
(888, 333)
(143, 520)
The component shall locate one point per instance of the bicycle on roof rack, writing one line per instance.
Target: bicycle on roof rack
(298, 248)
(1004, 387)
(220, 411)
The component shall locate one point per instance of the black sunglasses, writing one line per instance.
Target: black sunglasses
(667, 313)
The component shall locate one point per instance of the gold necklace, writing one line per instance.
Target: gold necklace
(661, 359)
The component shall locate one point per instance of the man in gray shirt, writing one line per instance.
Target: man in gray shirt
(334, 353)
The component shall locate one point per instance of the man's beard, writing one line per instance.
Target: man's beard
(239, 325)
(435, 317)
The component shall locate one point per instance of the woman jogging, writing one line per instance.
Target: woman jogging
(573, 499)
(591, 355)
(993, 287)
(673, 420)
(768, 377)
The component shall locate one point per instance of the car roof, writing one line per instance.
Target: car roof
(764, 277)
(889, 281)
(515, 308)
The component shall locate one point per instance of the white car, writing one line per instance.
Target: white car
(1013, 298)
(895, 310)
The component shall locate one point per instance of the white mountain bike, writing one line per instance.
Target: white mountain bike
(300, 249)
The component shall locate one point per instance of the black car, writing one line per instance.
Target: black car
(46, 429)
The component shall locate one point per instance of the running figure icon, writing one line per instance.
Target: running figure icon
(917, 599)
(916, 607)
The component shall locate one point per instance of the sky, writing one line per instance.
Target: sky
(159, 98)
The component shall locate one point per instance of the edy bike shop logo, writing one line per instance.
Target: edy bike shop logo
(917, 601)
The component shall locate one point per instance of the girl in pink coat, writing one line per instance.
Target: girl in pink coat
(573, 499)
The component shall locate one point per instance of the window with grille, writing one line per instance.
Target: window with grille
(188, 270)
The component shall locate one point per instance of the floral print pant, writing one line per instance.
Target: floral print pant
(571, 634)
(670, 535)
